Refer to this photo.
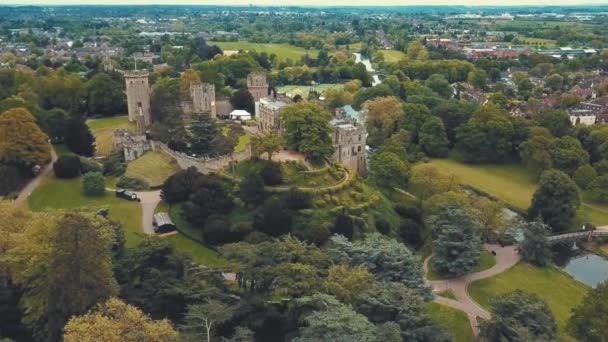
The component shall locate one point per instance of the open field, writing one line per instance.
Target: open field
(283, 51)
(514, 185)
(536, 42)
(153, 167)
(305, 90)
(560, 291)
(486, 261)
(57, 193)
(103, 130)
(454, 322)
(392, 56)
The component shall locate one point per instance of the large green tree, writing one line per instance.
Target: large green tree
(203, 131)
(433, 139)
(535, 247)
(389, 170)
(21, 141)
(555, 201)
(487, 136)
(457, 245)
(104, 95)
(586, 322)
(307, 130)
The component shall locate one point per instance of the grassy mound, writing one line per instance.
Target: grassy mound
(454, 322)
(103, 130)
(153, 167)
(560, 291)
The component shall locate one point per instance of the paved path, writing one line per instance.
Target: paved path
(506, 257)
(25, 193)
(149, 201)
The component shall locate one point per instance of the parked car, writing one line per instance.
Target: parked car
(126, 194)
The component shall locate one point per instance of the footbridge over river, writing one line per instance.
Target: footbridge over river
(577, 236)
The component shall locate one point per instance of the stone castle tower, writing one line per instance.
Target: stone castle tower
(257, 85)
(203, 97)
(138, 99)
(350, 139)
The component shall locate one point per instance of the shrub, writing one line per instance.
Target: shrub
(217, 230)
(297, 199)
(93, 184)
(274, 217)
(179, 186)
(11, 179)
(383, 226)
(114, 165)
(272, 174)
(411, 232)
(132, 183)
(89, 165)
(344, 226)
(67, 166)
(406, 212)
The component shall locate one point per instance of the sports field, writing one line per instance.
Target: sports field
(283, 51)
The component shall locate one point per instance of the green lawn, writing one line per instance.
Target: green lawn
(103, 130)
(67, 194)
(392, 56)
(486, 261)
(244, 140)
(514, 185)
(154, 167)
(560, 291)
(305, 90)
(454, 322)
(283, 51)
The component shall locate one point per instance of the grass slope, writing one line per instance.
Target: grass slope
(154, 167)
(283, 51)
(67, 194)
(392, 56)
(454, 322)
(560, 291)
(103, 130)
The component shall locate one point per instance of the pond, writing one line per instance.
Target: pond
(586, 267)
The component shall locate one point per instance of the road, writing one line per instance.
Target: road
(506, 257)
(149, 202)
(25, 193)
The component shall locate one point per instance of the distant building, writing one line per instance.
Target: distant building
(138, 99)
(257, 85)
(202, 99)
(268, 113)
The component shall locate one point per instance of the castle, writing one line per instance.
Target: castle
(257, 85)
(138, 99)
(268, 112)
(133, 146)
(202, 99)
(349, 138)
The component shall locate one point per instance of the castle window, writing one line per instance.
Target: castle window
(359, 137)
(359, 149)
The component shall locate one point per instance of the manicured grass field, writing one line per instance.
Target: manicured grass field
(392, 56)
(454, 322)
(283, 51)
(486, 261)
(153, 167)
(514, 185)
(560, 291)
(536, 42)
(67, 194)
(103, 130)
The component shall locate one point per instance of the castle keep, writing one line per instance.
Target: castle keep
(349, 139)
(257, 85)
(202, 99)
(138, 99)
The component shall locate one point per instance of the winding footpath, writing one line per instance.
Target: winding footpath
(506, 257)
(27, 190)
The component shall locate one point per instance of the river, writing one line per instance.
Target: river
(368, 66)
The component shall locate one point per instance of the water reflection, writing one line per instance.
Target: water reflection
(583, 266)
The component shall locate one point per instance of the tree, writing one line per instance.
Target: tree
(273, 217)
(104, 95)
(22, 143)
(556, 121)
(93, 184)
(67, 166)
(201, 318)
(440, 85)
(487, 136)
(555, 82)
(433, 205)
(519, 316)
(536, 153)
(433, 139)
(78, 137)
(555, 201)
(335, 322)
(242, 99)
(387, 259)
(395, 302)
(307, 130)
(381, 116)
(568, 154)
(388, 170)
(417, 51)
(210, 198)
(598, 189)
(427, 181)
(478, 78)
(188, 76)
(414, 117)
(251, 189)
(203, 131)
(344, 226)
(491, 217)
(268, 142)
(345, 282)
(584, 175)
(180, 185)
(271, 173)
(116, 321)
(457, 245)
(585, 323)
(535, 246)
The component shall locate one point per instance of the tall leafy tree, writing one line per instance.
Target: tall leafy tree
(555, 201)
(535, 246)
(457, 245)
(536, 151)
(202, 318)
(307, 130)
(104, 95)
(519, 316)
(22, 143)
(389, 170)
(585, 323)
(203, 131)
(487, 136)
(433, 139)
(210, 198)
(269, 142)
(568, 154)
(242, 99)
(79, 138)
(115, 320)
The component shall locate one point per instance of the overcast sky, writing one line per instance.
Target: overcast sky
(310, 2)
